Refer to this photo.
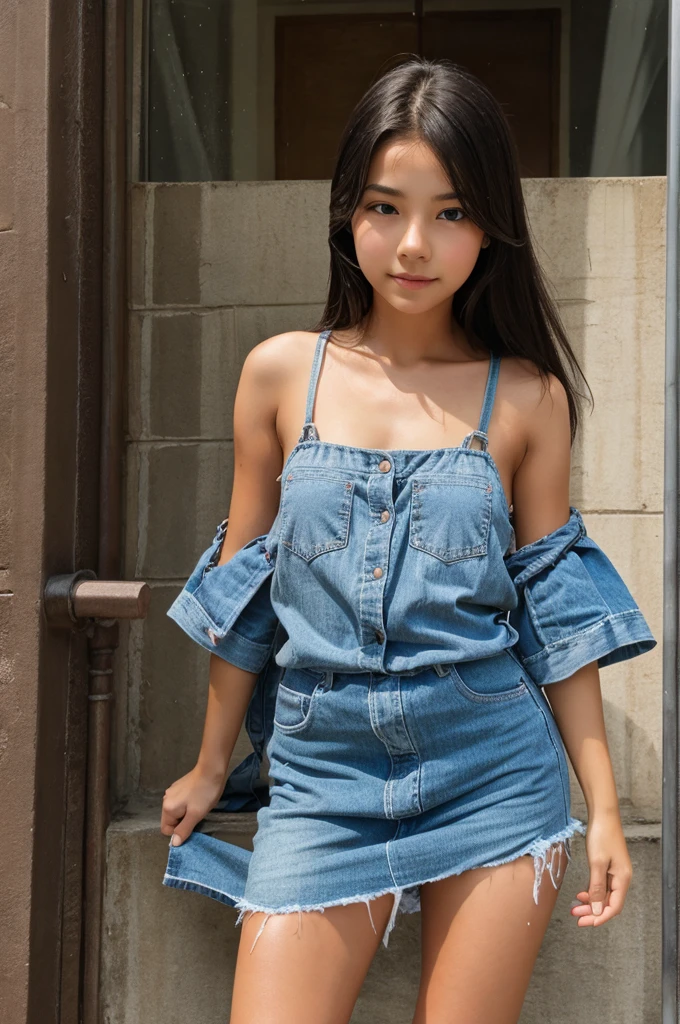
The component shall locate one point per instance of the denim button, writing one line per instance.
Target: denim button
(385, 466)
(377, 572)
(384, 516)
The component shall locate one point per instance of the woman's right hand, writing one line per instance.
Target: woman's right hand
(188, 800)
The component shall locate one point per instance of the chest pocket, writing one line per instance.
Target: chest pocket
(450, 515)
(316, 512)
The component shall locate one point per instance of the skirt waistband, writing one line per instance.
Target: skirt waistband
(442, 669)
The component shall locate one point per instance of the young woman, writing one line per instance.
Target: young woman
(401, 576)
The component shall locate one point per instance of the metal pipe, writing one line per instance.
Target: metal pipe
(104, 637)
(113, 292)
(102, 644)
(671, 579)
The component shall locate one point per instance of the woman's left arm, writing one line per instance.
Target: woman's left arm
(541, 505)
(577, 706)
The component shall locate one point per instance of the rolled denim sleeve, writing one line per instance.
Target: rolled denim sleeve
(572, 606)
(227, 608)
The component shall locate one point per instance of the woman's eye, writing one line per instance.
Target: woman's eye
(376, 205)
(455, 209)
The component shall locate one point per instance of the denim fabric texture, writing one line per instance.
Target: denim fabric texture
(400, 642)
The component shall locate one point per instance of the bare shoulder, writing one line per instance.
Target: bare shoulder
(276, 361)
(272, 357)
(539, 401)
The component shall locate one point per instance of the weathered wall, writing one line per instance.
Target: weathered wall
(216, 268)
(21, 239)
(50, 273)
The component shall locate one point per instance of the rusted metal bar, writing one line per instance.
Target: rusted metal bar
(72, 598)
(111, 599)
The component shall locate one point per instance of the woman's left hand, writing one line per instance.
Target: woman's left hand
(611, 871)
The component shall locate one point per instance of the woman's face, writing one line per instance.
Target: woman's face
(417, 232)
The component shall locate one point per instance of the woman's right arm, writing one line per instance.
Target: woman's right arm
(254, 503)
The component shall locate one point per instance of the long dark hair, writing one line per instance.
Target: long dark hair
(504, 305)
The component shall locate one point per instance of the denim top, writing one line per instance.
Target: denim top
(392, 560)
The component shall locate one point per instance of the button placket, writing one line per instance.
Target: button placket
(376, 557)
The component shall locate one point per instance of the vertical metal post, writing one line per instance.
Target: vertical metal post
(671, 581)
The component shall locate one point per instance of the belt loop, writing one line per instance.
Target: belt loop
(328, 683)
(440, 669)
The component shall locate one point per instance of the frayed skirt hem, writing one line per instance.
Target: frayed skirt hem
(406, 897)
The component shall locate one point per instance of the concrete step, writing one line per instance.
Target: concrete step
(169, 955)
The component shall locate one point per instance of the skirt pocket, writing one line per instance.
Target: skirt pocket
(296, 697)
(488, 680)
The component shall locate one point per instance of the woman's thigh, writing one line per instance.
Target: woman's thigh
(306, 968)
(481, 933)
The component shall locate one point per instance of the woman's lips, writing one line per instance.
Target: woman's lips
(406, 282)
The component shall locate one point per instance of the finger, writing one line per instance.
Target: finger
(620, 881)
(581, 904)
(616, 899)
(170, 817)
(185, 827)
(582, 901)
(168, 823)
(596, 919)
(597, 886)
(585, 908)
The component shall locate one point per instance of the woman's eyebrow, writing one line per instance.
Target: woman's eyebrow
(386, 190)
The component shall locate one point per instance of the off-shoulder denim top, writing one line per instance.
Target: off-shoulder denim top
(393, 560)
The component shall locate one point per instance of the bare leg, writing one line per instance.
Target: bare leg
(481, 933)
(306, 968)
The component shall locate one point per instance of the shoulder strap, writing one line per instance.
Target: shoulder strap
(489, 393)
(309, 431)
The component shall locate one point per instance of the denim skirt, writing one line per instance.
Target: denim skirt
(382, 782)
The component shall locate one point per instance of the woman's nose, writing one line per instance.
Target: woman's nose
(414, 241)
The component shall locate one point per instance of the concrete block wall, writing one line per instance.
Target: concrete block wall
(169, 955)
